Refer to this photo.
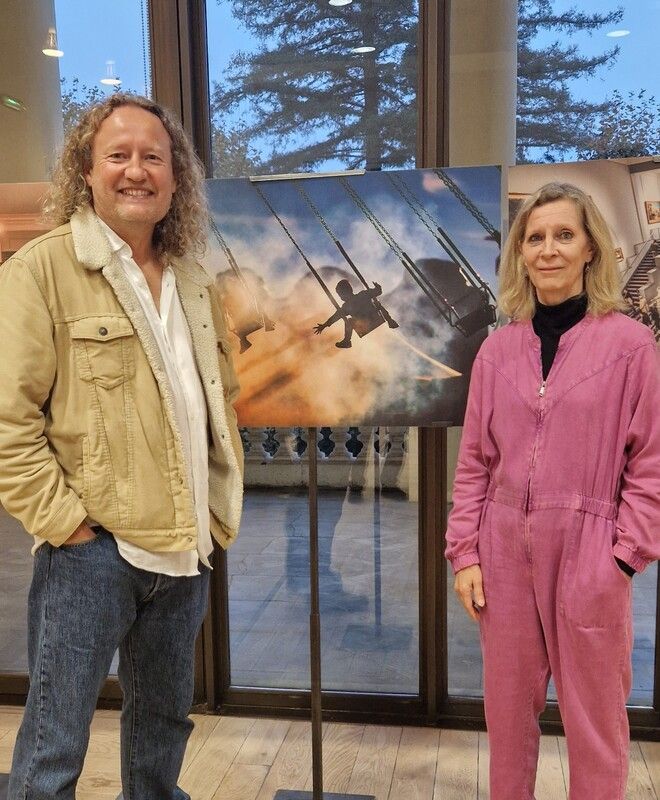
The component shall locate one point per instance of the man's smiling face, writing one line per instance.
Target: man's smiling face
(131, 177)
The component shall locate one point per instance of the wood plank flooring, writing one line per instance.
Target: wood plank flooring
(236, 758)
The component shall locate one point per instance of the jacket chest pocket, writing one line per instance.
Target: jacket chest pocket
(103, 348)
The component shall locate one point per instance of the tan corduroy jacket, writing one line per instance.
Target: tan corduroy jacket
(87, 424)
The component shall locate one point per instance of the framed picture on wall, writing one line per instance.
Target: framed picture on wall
(516, 199)
(652, 211)
(618, 252)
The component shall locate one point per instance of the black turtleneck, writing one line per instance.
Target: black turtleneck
(550, 322)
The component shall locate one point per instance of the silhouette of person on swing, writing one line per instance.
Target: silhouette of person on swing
(361, 312)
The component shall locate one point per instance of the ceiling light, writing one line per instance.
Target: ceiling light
(12, 102)
(365, 48)
(51, 48)
(339, 2)
(617, 34)
(110, 78)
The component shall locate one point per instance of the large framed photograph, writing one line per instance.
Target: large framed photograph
(652, 211)
(356, 298)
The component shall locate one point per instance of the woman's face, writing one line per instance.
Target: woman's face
(555, 248)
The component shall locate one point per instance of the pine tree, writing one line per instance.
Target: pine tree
(627, 126)
(310, 98)
(231, 151)
(76, 99)
(548, 115)
(305, 99)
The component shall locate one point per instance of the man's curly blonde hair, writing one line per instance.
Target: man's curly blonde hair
(183, 229)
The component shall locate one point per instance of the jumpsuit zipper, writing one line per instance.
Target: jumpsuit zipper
(539, 418)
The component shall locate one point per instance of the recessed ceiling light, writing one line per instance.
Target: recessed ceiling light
(51, 48)
(339, 2)
(617, 34)
(365, 48)
(110, 78)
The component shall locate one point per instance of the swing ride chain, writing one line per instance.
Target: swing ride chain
(315, 211)
(328, 230)
(384, 234)
(268, 205)
(436, 230)
(234, 265)
(413, 203)
(465, 200)
(433, 294)
(225, 249)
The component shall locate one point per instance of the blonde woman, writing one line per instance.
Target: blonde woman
(557, 497)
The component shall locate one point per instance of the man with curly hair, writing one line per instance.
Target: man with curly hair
(119, 448)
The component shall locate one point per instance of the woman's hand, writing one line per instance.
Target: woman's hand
(470, 589)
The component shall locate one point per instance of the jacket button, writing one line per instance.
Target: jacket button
(205, 326)
(212, 381)
(103, 331)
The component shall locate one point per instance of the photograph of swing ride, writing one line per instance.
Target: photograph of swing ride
(357, 298)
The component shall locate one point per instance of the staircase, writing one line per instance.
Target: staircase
(642, 290)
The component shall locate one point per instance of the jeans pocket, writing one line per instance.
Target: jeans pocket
(79, 545)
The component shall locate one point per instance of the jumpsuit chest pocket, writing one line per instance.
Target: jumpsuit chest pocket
(103, 348)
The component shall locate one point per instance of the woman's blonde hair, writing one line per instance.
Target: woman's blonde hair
(517, 297)
(183, 229)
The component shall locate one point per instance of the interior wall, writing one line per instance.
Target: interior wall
(609, 184)
(482, 82)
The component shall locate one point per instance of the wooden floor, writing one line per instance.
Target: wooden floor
(235, 758)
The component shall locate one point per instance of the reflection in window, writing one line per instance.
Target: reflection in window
(99, 60)
(368, 567)
(312, 86)
(43, 95)
(585, 86)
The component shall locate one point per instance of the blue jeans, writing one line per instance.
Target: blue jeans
(85, 602)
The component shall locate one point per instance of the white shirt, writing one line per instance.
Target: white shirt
(170, 329)
(172, 334)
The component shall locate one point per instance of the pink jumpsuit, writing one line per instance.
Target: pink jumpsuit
(553, 482)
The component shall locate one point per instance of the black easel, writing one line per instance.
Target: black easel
(317, 792)
(4, 785)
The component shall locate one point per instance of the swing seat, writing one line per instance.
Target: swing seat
(244, 327)
(365, 323)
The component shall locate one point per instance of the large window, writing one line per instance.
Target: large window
(312, 86)
(586, 85)
(40, 97)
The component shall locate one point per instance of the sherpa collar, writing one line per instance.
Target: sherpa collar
(94, 251)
